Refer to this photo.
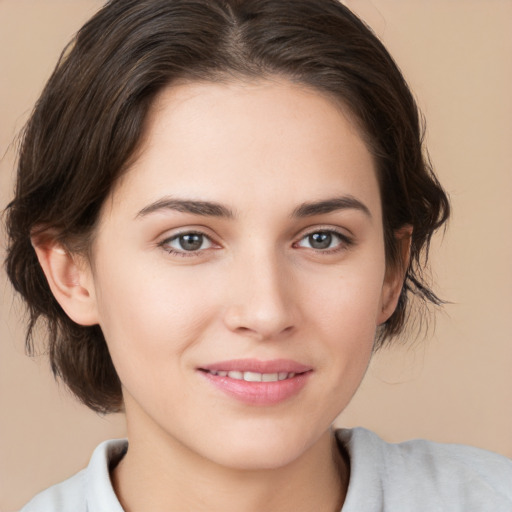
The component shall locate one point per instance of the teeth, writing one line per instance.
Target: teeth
(254, 376)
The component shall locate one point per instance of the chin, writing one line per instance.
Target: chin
(257, 458)
(262, 449)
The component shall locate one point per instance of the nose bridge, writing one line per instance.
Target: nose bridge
(260, 301)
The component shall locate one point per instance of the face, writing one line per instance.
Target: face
(239, 273)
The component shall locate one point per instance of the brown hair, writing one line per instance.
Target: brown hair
(90, 118)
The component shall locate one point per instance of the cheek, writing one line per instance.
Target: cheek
(349, 297)
(150, 315)
(342, 321)
(344, 312)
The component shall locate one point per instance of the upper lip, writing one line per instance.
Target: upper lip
(258, 366)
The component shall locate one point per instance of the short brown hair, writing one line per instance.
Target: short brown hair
(90, 118)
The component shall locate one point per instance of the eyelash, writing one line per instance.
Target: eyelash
(184, 254)
(344, 242)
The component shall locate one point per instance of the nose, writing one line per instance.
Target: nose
(261, 300)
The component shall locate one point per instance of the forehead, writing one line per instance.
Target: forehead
(249, 143)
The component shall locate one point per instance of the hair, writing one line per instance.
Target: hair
(90, 119)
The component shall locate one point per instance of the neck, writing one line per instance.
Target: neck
(162, 476)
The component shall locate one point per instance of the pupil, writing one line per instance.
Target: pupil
(191, 242)
(320, 240)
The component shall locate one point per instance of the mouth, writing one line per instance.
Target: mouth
(252, 376)
(255, 382)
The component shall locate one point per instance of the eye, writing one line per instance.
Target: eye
(187, 243)
(324, 241)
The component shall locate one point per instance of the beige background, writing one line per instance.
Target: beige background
(454, 386)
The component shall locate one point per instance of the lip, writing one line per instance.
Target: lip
(257, 365)
(258, 393)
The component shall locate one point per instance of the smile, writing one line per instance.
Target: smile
(254, 376)
(254, 382)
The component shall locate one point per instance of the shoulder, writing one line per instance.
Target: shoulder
(88, 490)
(426, 475)
(67, 495)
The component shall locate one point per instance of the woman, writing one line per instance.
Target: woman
(221, 211)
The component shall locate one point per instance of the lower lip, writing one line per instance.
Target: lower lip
(259, 393)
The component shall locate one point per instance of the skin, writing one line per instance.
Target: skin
(256, 288)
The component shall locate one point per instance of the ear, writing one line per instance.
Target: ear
(70, 280)
(395, 275)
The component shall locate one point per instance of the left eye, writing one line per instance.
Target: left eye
(321, 240)
(189, 242)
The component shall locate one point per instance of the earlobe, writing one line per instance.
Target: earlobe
(395, 275)
(69, 280)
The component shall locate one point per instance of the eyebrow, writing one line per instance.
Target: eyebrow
(204, 208)
(330, 205)
(213, 209)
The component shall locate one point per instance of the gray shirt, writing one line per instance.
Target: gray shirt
(417, 476)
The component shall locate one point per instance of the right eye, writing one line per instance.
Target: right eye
(184, 243)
